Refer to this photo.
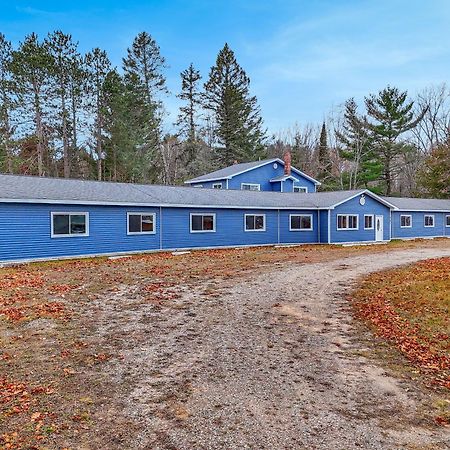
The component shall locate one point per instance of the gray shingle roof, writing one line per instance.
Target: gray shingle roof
(229, 171)
(422, 204)
(58, 190)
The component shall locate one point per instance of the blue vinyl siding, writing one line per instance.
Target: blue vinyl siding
(323, 226)
(298, 237)
(353, 206)
(262, 176)
(418, 229)
(229, 228)
(25, 231)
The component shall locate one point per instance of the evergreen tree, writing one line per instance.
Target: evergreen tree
(7, 105)
(324, 160)
(392, 115)
(238, 123)
(190, 94)
(31, 68)
(126, 122)
(187, 118)
(98, 66)
(357, 148)
(435, 176)
(143, 68)
(65, 55)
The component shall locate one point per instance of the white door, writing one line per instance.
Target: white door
(378, 228)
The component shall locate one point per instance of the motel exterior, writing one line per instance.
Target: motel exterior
(261, 203)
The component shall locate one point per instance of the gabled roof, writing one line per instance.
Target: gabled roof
(237, 169)
(419, 204)
(29, 189)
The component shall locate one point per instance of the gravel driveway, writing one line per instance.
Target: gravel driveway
(272, 362)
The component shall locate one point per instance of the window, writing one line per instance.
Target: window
(368, 222)
(203, 223)
(428, 221)
(300, 222)
(301, 189)
(405, 221)
(255, 222)
(447, 221)
(69, 224)
(198, 185)
(217, 185)
(250, 187)
(347, 222)
(140, 223)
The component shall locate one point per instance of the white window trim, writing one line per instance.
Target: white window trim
(251, 184)
(410, 220)
(197, 185)
(202, 215)
(132, 233)
(447, 224)
(65, 213)
(300, 187)
(373, 222)
(347, 215)
(258, 230)
(217, 185)
(300, 229)
(428, 226)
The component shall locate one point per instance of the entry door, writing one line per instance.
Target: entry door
(378, 228)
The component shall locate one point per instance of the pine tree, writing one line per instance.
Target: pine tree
(435, 175)
(31, 68)
(324, 160)
(188, 116)
(357, 148)
(98, 66)
(238, 123)
(190, 94)
(392, 115)
(143, 68)
(7, 105)
(64, 53)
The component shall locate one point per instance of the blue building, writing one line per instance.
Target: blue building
(268, 175)
(44, 218)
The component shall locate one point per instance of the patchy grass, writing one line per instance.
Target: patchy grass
(409, 307)
(51, 380)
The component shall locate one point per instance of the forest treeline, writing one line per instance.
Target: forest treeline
(68, 114)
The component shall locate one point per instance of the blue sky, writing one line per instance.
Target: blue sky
(303, 57)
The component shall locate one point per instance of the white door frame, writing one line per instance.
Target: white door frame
(379, 231)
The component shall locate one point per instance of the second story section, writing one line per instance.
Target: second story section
(273, 174)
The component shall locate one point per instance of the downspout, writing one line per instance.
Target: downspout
(319, 237)
(329, 226)
(390, 224)
(160, 229)
(278, 231)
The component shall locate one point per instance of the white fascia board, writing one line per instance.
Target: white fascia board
(149, 205)
(235, 174)
(370, 194)
(317, 183)
(424, 210)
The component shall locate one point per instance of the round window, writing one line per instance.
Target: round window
(362, 200)
(275, 165)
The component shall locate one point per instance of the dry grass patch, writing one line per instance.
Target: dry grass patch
(410, 308)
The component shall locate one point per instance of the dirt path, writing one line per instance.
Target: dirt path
(269, 363)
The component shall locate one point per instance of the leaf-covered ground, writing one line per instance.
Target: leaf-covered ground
(52, 383)
(410, 308)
